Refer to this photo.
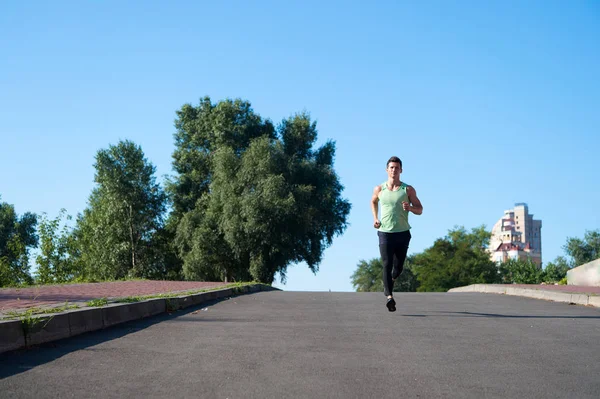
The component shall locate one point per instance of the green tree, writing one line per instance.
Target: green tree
(368, 277)
(456, 260)
(54, 263)
(478, 238)
(520, 271)
(583, 251)
(251, 200)
(115, 233)
(199, 132)
(166, 263)
(17, 237)
(556, 270)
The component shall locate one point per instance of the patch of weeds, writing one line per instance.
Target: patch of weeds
(130, 299)
(563, 281)
(32, 317)
(235, 286)
(169, 305)
(38, 311)
(30, 322)
(97, 303)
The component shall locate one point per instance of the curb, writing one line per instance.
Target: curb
(566, 297)
(16, 334)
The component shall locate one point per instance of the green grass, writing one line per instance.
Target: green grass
(129, 299)
(36, 311)
(96, 303)
(132, 299)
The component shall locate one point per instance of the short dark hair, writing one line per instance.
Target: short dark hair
(393, 159)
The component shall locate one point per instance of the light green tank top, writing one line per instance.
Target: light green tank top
(394, 219)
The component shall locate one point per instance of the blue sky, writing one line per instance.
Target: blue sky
(486, 103)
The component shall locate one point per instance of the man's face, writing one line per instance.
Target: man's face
(394, 169)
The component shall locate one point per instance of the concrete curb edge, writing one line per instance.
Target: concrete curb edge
(566, 297)
(16, 334)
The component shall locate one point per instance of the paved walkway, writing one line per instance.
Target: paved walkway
(575, 289)
(53, 295)
(573, 294)
(331, 345)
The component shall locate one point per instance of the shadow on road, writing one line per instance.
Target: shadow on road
(475, 314)
(22, 360)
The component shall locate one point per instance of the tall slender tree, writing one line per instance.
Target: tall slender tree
(125, 211)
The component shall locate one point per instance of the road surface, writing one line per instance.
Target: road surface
(326, 345)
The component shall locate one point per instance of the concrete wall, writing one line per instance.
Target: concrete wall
(587, 274)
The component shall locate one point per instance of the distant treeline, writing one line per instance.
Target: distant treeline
(461, 259)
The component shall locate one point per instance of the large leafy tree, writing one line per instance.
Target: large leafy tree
(368, 277)
(456, 260)
(251, 199)
(126, 208)
(583, 250)
(17, 237)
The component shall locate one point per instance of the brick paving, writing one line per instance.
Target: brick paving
(55, 295)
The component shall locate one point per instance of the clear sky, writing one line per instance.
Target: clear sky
(487, 103)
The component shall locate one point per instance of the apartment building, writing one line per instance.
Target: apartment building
(517, 235)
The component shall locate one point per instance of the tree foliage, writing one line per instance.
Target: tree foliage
(583, 250)
(456, 260)
(368, 277)
(55, 263)
(250, 199)
(202, 130)
(461, 259)
(519, 271)
(17, 237)
(556, 270)
(115, 233)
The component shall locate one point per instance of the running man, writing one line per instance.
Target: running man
(397, 200)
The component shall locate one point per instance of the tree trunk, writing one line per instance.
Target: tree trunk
(133, 260)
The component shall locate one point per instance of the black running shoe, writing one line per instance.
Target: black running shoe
(391, 305)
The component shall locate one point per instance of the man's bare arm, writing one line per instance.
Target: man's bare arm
(415, 205)
(375, 206)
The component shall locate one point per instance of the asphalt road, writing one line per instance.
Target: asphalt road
(326, 345)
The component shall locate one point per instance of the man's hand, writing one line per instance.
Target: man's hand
(377, 224)
(406, 206)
